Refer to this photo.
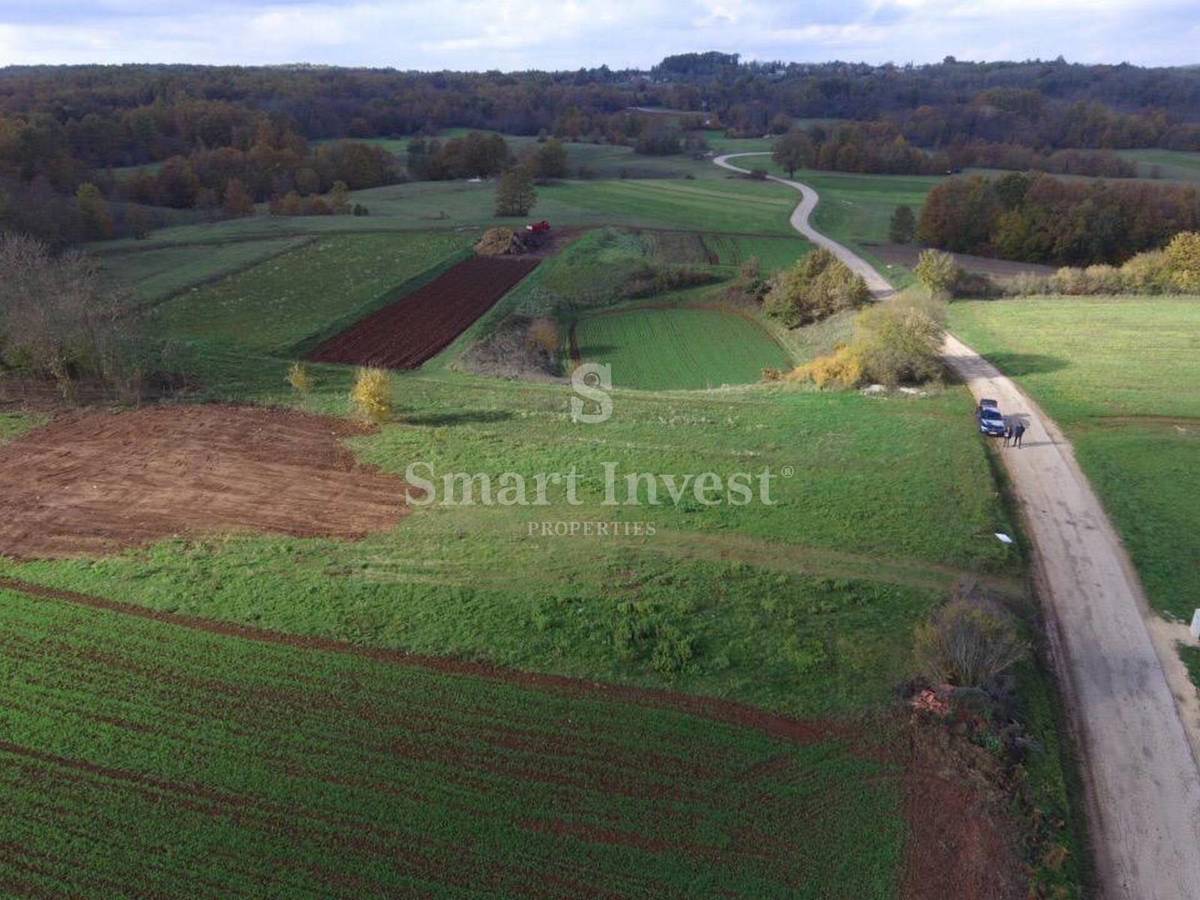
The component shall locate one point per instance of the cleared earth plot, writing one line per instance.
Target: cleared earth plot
(678, 348)
(1119, 375)
(99, 482)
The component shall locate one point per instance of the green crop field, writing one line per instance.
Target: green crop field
(1119, 375)
(218, 758)
(665, 349)
(154, 274)
(306, 291)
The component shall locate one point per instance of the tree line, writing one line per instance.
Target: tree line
(1036, 217)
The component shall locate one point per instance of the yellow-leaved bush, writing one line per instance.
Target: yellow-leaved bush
(372, 395)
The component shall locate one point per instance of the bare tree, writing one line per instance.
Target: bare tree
(59, 318)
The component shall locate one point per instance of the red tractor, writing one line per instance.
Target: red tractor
(536, 233)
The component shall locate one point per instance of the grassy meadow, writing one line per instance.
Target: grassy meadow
(1118, 374)
(667, 349)
(156, 274)
(1175, 165)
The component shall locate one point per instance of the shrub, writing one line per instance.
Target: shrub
(967, 643)
(1183, 261)
(902, 228)
(749, 286)
(814, 288)
(649, 280)
(544, 333)
(937, 271)
(841, 369)
(299, 378)
(1147, 273)
(900, 341)
(372, 395)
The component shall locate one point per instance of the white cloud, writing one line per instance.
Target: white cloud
(520, 34)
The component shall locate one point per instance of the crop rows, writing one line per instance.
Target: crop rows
(141, 756)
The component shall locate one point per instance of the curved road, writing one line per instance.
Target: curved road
(1132, 709)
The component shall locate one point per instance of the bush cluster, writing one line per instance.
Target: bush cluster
(968, 643)
(898, 342)
(1174, 270)
(813, 289)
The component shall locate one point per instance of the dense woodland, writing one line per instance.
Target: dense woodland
(216, 138)
(1039, 218)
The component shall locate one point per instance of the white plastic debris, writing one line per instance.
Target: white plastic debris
(1003, 538)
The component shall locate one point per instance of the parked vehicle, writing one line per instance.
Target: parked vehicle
(991, 420)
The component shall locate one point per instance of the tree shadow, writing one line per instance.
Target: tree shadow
(1026, 363)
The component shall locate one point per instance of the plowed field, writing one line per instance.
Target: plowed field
(420, 325)
(99, 482)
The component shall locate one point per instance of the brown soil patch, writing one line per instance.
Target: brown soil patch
(94, 483)
(419, 325)
(961, 835)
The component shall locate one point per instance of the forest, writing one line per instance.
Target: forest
(66, 132)
(1043, 219)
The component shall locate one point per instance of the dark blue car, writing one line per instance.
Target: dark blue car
(991, 420)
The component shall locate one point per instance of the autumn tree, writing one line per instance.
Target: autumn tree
(237, 200)
(515, 194)
(94, 212)
(793, 151)
(60, 318)
(339, 198)
(903, 226)
(551, 159)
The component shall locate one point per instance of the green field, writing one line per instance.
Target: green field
(14, 424)
(672, 349)
(1119, 375)
(313, 289)
(241, 767)
(158, 273)
(801, 603)
(1177, 165)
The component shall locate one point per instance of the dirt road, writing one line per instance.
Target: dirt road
(1140, 766)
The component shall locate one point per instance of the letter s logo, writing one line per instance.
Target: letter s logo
(592, 381)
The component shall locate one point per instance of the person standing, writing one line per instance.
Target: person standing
(1018, 433)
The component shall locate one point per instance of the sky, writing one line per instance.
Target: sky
(568, 34)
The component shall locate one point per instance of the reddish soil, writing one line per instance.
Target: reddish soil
(93, 483)
(962, 834)
(418, 326)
